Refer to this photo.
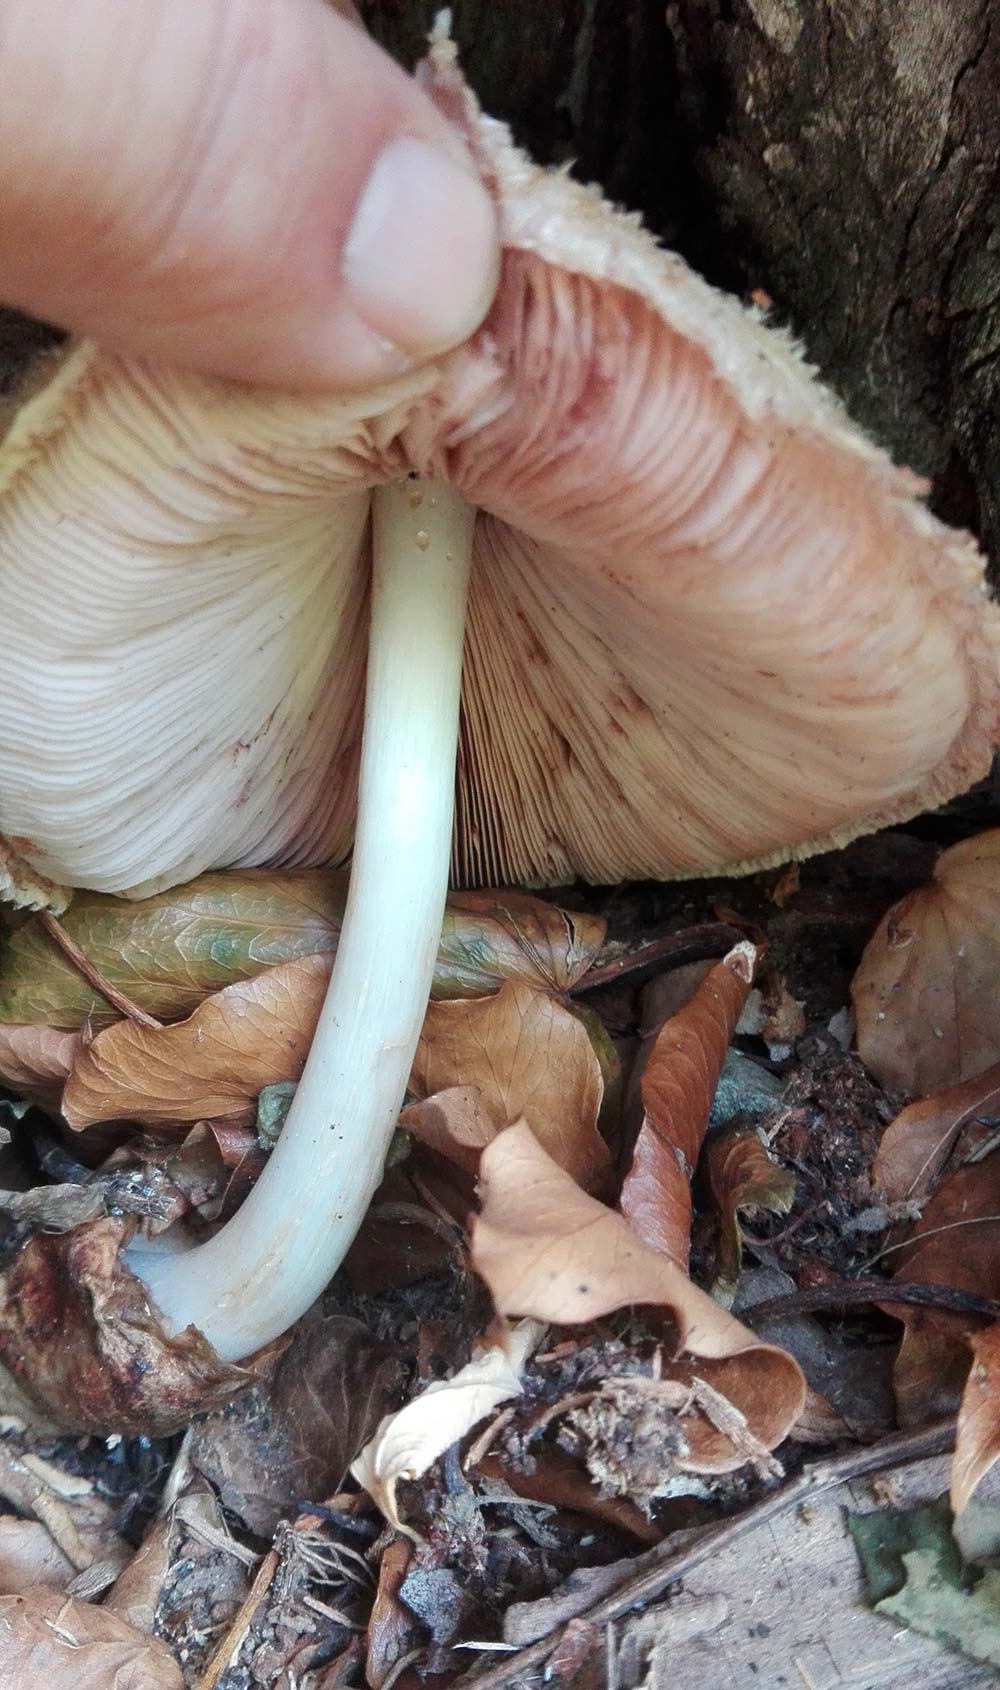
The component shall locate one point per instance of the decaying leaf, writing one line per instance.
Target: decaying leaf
(77, 1329)
(548, 1250)
(915, 1146)
(956, 1242)
(744, 1179)
(292, 1436)
(211, 1065)
(924, 992)
(392, 1629)
(915, 1574)
(455, 1123)
(977, 1444)
(30, 1558)
(54, 1208)
(522, 1048)
(37, 1061)
(678, 1083)
(63, 1644)
(529, 1057)
(409, 1441)
(169, 952)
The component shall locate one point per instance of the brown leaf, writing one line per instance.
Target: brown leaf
(455, 1124)
(977, 1445)
(293, 1435)
(392, 1629)
(557, 1479)
(30, 1559)
(63, 1644)
(924, 992)
(410, 1441)
(956, 1242)
(169, 952)
(36, 1062)
(547, 1250)
(915, 1146)
(529, 1057)
(744, 1178)
(77, 1329)
(213, 1064)
(678, 1084)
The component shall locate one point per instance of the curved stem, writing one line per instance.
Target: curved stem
(269, 1263)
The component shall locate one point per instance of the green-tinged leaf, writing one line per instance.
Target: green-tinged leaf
(744, 1179)
(915, 1573)
(169, 952)
(273, 1104)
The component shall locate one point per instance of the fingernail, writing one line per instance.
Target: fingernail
(421, 257)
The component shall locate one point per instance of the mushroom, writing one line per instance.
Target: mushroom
(710, 627)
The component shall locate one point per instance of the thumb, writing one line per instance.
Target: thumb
(249, 187)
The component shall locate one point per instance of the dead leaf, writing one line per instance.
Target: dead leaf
(392, 1629)
(54, 1208)
(678, 1083)
(30, 1559)
(167, 953)
(37, 1061)
(915, 1146)
(956, 1242)
(455, 1124)
(924, 992)
(410, 1441)
(211, 1065)
(549, 1251)
(529, 1057)
(77, 1329)
(293, 1435)
(977, 1444)
(559, 1480)
(64, 1644)
(744, 1179)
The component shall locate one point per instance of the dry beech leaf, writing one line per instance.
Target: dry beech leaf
(529, 1057)
(924, 993)
(977, 1444)
(293, 1435)
(410, 1441)
(77, 1329)
(915, 1146)
(37, 1061)
(30, 1559)
(744, 1179)
(678, 1083)
(169, 952)
(392, 1629)
(548, 1250)
(454, 1123)
(62, 1644)
(213, 1064)
(956, 1242)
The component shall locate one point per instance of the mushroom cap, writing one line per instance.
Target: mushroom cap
(711, 626)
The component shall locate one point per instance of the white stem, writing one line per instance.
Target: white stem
(270, 1262)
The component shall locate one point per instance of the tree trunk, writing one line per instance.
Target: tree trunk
(841, 155)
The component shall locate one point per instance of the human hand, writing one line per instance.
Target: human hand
(249, 187)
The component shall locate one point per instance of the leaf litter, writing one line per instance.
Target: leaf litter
(501, 1464)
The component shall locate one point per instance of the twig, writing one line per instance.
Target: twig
(233, 1640)
(671, 950)
(663, 1566)
(93, 976)
(886, 1291)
